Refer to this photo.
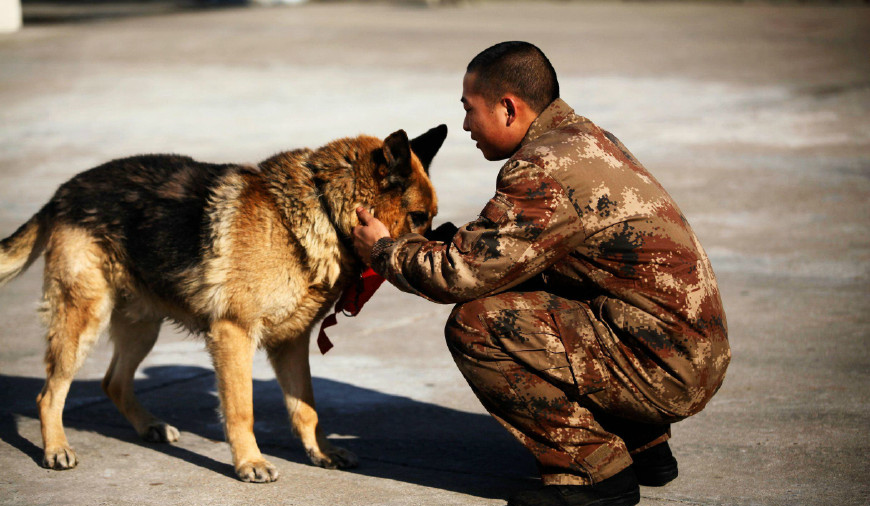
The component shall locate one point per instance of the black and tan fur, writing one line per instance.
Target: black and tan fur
(245, 256)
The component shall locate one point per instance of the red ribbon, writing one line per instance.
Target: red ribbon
(350, 303)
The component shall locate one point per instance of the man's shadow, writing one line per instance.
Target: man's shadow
(395, 437)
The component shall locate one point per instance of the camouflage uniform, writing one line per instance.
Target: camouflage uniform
(588, 317)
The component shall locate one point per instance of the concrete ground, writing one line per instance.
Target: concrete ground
(756, 117)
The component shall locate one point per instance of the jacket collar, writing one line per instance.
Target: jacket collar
(554, 115)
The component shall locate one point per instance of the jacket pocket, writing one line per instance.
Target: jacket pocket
(483, 232)
(496, 210)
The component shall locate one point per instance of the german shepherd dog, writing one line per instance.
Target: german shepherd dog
(245, 256)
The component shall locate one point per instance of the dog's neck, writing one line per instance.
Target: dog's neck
(298, 185)
(335, 206)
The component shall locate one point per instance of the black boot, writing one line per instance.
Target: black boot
(619, 490)
(655, 466)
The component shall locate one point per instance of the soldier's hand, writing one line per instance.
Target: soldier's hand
(444, 232)
(367, 233)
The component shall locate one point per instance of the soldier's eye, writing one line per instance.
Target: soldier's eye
(418, 219)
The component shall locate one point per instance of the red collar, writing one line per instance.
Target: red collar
(350, 303)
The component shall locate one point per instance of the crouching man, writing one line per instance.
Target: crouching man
(587, 316)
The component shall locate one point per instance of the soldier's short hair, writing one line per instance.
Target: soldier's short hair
(515, 67)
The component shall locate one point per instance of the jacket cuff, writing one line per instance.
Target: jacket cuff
(380, 255)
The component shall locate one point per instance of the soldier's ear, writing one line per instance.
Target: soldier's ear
(428, 144)
(510, 108)
(396, 153)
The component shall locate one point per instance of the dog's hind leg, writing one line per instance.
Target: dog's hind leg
(290, 361)
(232, 352)
(79, 302)
(133, 341)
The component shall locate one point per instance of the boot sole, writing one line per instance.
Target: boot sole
(627, 499)
(656, 476)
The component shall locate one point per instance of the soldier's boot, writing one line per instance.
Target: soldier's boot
(620, 489)
(656, 466)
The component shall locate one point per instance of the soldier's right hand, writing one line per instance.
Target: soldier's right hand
(444, 232)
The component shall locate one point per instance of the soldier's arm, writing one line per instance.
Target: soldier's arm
(528, 225)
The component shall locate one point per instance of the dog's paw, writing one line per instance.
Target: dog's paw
(160, 432)
(334, 458)
(59, 458)
(260, 471)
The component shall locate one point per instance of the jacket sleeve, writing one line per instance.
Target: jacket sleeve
(527, 226)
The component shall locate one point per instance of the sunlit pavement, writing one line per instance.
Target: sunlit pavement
(755, 117)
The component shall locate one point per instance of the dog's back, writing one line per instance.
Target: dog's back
(147, 212)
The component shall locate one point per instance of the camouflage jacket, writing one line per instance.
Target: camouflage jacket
(575, 213)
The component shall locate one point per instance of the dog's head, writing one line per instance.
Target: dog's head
(389, 177)
(404, 198)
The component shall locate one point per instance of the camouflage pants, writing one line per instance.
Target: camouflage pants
(579, 418)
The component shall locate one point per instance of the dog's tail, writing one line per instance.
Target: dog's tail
(22, 248)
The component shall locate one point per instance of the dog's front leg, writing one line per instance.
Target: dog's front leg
(290, 361)
(232, 352)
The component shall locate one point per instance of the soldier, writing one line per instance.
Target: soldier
(587, 315)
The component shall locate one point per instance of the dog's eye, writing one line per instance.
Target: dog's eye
(418, 219)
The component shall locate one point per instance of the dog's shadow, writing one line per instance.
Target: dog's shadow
(395, 437)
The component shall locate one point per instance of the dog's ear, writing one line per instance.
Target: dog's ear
(428, 144)
(397, 155)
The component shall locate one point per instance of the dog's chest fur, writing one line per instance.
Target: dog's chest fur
(277, 257)
(275, 260)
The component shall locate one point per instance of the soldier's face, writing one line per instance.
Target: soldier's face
(487, 123)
